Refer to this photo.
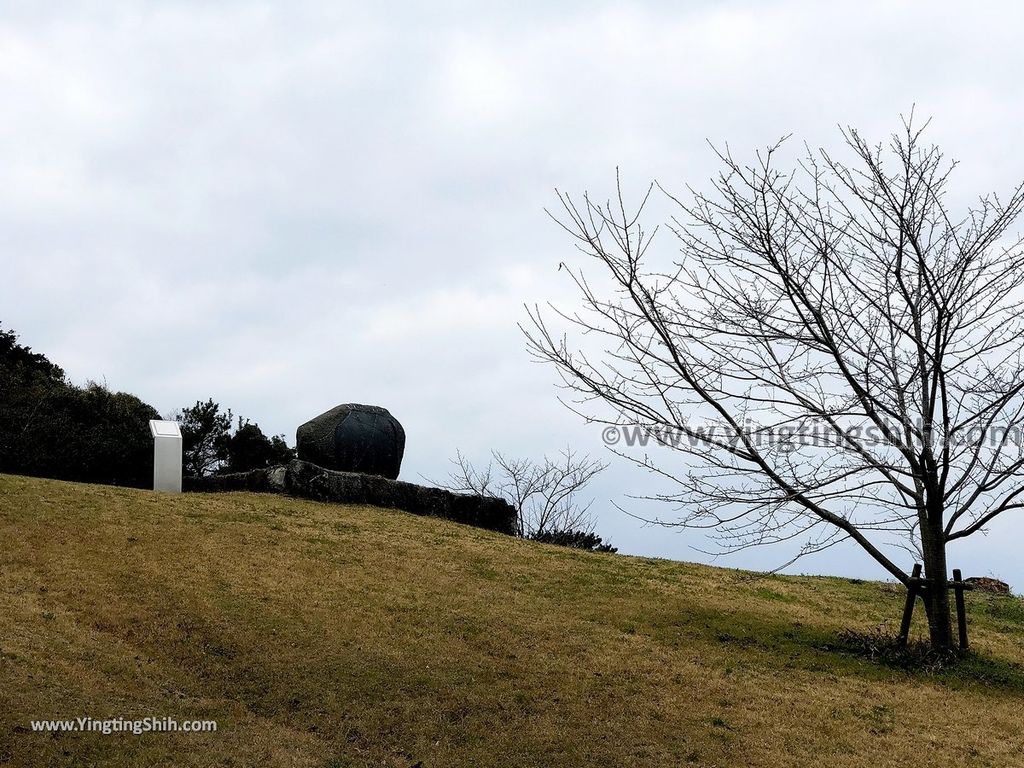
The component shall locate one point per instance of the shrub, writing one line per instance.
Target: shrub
(248, 448)
(205, 432)
(575, 539)
(52, 428)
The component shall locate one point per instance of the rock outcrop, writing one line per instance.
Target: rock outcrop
(353, 438)
(309, 481)
(986, 584)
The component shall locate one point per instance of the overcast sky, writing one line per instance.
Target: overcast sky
(286, 206)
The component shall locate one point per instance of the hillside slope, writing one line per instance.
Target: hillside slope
(319, 635)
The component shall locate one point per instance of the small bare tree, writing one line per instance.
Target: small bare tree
(545, 494)
(844, 301)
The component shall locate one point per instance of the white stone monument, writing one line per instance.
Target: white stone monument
(166, 456)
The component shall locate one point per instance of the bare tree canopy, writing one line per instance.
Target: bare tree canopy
(856, 345)
(544, 493)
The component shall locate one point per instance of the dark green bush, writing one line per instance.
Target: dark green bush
(574, 539)
(210, 447)
(52, 428)
(248, 448)
(205, 432)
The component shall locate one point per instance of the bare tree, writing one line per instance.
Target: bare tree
(545, 494)
(841, 302)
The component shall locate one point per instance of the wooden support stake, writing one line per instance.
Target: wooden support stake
(961, 609)
(908, 609)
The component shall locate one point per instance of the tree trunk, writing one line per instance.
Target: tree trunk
(936, 593)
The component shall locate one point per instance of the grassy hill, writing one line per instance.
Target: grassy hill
(320, 635)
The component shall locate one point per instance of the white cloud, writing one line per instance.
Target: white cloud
(308, 203)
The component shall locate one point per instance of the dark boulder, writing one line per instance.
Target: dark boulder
(353, 438)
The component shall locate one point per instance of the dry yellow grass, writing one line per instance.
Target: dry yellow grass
(320, 635)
